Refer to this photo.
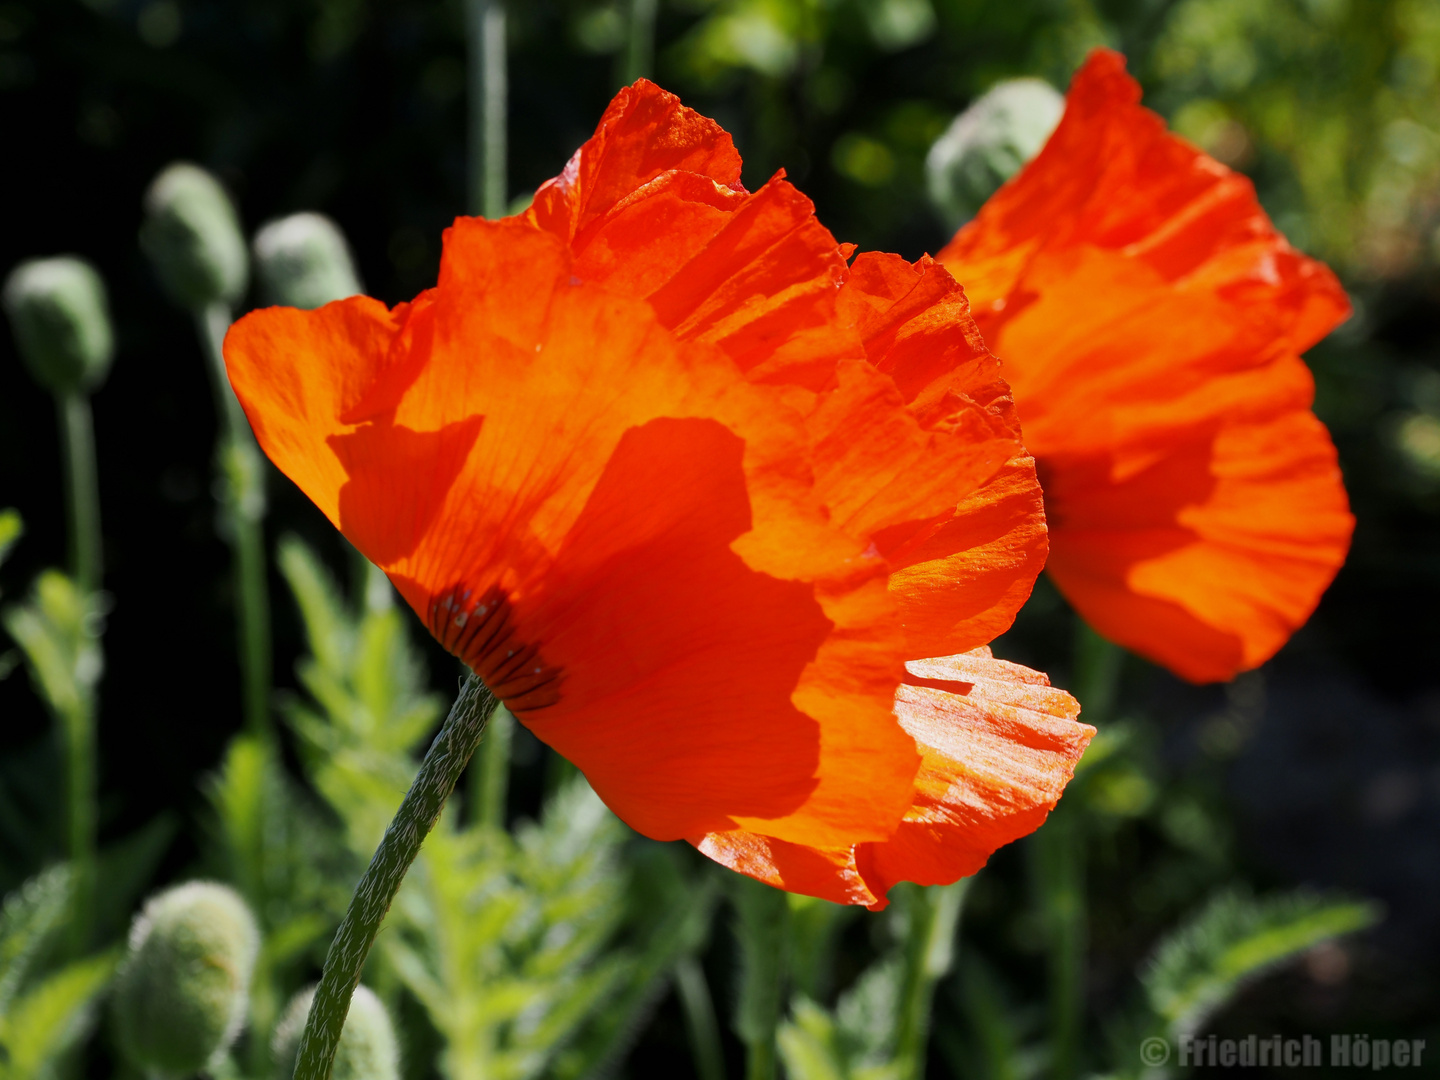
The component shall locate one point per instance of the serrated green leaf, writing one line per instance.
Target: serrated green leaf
(46, 1022)
(56, 629)
(1234, 939)
(31, 914)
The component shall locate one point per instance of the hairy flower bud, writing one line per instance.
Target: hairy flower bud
(180, 996)
(61, 322)
(367, 1049)
(192, 235)
(303, 261)
(988, 143)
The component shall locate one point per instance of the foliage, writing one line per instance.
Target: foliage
(47, 1007)
(521, 947)
(1234, 939)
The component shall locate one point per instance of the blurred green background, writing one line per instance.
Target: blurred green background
(1321, 769)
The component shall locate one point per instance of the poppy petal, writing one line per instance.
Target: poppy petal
(999, 744)
(619, 533)
(1150, 319)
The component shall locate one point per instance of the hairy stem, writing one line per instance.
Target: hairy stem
(241, 474)
(638, 58)
(417, 815)
(700, 1022)
(934, 914)
(485, 38)
(82, 490)
(1057, 854)
(763, 929)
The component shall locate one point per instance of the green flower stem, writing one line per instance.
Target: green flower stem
(78, 730)
(77, 719)
(241, 472)
(699, 1009)
(1057, 857)
(933, 915)
(763, 929)
(417, 815)
(1057, 864)
(638, 58)
(82, 490)
(490, 783)
(485, 38)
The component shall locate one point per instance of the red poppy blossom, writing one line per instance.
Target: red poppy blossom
(687, 491)
(1151, 320)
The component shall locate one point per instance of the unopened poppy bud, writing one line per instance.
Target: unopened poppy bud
(192, 235)
(180, 997)
(367, 1050)
(988, 143)
(303, 261)
(61, 322)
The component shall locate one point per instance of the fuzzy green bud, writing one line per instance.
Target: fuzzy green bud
(303, 261)
(180, 996)
(61, 322)
(989, 143)
(192, 235)
(367, 1050)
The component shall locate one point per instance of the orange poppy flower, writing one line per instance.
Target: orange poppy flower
(687, 491)
(1151, 321)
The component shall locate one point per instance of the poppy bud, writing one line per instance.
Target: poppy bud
(192, 235)
(180, 997)
(367, 1049)
(303, 261)
(988, 143)
(61, 322)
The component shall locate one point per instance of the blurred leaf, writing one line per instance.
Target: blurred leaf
(11, 529)
(1201, 966)
(125, 870)
(57, 629)
(31, 914)
(48, 1021)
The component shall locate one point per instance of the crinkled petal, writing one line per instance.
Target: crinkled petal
(1150, 319)
(999, 744)
(613, 528)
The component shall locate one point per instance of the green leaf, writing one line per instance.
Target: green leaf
(31, 914)
(1233, 940)
(57, 629)
(11, 529)
(48, 1021)
(125, 871)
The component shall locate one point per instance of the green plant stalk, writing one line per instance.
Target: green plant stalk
(1057, 858)
(443, 764)
(1057, 853)
(485, 41)
(241, 475)
(763, 929)
(77, 725)
(488, 784)
(638, 57)
(77, 722)
(82, 489)
(700, 1022)
(491, 775)
(934, 914)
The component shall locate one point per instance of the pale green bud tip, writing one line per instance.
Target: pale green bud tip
(192, 235)
(61, 322)
(367, 1050)
(180, 997)
(989, 143)
(303, 261)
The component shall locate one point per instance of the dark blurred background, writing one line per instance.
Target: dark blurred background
(1321, 769)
